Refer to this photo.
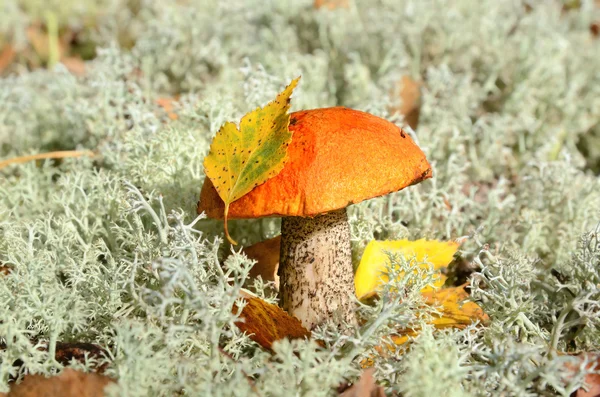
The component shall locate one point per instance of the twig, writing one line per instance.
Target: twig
(44, 156)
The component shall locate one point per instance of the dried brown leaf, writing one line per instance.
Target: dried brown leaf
(331, 4)
(454, 312)
(365, 387)
(267, 323)
(592, 381)
(168, 104)
(4, 269)
(266, 255)
(75, 65)
(7, 56)
(70, 383)
(68, 351)
(594, 29)
(410, 106)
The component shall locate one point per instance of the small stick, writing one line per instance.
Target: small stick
(43, 156)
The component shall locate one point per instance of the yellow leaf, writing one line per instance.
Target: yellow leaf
(241, 159)
(454, 312)
(371, 272)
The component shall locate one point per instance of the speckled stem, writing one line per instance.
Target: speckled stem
(316, 280)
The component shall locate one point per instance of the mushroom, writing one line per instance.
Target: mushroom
(337, 157)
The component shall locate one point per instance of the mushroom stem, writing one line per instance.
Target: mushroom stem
(316, 280)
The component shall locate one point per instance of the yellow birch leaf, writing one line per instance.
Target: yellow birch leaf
(454, 312)
(241, 159)
(371, 272)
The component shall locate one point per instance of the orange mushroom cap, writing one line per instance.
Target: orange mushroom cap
(337, 157)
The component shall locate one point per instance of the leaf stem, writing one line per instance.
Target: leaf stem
(232, 241)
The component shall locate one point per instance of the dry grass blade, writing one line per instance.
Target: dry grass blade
(46, 156)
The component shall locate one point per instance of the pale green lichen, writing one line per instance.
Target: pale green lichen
(109, 251)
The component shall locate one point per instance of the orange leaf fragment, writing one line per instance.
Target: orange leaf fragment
(7, 56)
(410, 107)
(74, 64)
(400, 339)
(168, 105)
(454, 311)
(595, 29)
(4, 269)
(266, 255)
(592, 381)
(331, 4)
(267, 323)
(70, 383)
(365, 387)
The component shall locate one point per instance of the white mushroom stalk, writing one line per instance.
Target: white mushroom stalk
(315, 272)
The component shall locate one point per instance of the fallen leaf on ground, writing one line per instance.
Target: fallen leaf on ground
(47, 46)
(7, 56)
(331, 4)
(266, 323)
(266, 255)
(70, 383)
(365, 387)
(4, 269)
(371, 272)
(168, 105)
(410, 95)
(75, 65)
(592, 381)
(241, 159)
(68, 351)
(454, 311)
(595, 29)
